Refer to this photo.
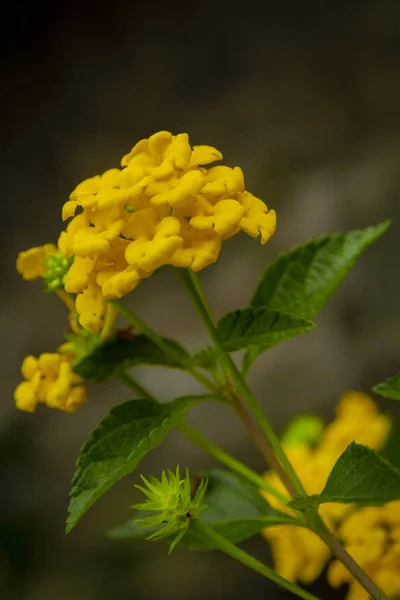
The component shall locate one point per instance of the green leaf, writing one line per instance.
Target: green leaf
(117, 354)
(390, 388)
(235, 509)
(116, 447)
(360, 476)
(259, 327)
(301, 281)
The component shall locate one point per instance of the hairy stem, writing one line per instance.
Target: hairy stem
(246, 559)
(270, 443)
(70, 304)
(267, 441)
(341, 554)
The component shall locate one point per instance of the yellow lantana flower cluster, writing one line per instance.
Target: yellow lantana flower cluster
(370, 535)
(165, 206)
(50, 380)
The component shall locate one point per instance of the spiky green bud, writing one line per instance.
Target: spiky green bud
(305, 429)
(171, 500)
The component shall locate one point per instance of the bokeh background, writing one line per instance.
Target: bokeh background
(305, 97)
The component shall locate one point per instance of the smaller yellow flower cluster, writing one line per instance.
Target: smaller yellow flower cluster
(50, 380)
(298, 554)
(372, 537)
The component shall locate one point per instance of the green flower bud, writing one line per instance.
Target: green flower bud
(306, 429)
(171, 499)
(57, 267)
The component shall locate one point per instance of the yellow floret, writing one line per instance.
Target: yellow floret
(31, 263)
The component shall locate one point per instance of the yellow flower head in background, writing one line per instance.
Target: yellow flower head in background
(165, 206)
(50, 380)
(370, 535)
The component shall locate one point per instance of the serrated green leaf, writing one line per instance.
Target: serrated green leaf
(390, 388)
(116, 447)
(302, 279)
(360, 476)
(235, 509)
(260, 327)
(117, 354)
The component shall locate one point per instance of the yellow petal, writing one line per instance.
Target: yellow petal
(120, 284)
(257, 220)
(91, 306)
(87, 243)
(25, 396)
(29, 367)
(78, 275)
(75, 399)
(49, 364)
(204, 155)
(31, 263)
(69, 208)
(224, 221)
(187, 186)
(61, 387)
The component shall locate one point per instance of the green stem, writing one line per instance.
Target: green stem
(270, 444)
(345, 558)
(132, 317)
(282, 465)
(134, 385)
(109, 321)
(246, 559)
(235, 465)
(202, 442)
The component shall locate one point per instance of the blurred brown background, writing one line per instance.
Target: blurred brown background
(305, 97)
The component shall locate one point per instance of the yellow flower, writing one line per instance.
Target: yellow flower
(165, 206)
(298, 554)
(372, 536)
(31, 263)
(91, 307)
(49, 380)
